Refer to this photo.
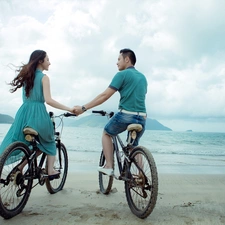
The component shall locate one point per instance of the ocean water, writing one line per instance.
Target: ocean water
(174, 152)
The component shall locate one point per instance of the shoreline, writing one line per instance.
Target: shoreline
(182, 199)
(83, 167)
(166, 163)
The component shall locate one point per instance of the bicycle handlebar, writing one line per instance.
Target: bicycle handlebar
(104, 113)
(69, 114)
(52, 117)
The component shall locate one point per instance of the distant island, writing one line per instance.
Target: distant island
(6, 119)
(93, 121)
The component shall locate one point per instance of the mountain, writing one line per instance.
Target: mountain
(155, 125)
(100, 121)
(6, 119)
(93, 121)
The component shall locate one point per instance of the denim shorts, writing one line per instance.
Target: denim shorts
(119, 122)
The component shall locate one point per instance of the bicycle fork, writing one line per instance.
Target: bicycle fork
(58, 145)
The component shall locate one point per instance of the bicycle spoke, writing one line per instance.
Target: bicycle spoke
(61, 164)
(142, 188)
(105, 181)
(14, 189)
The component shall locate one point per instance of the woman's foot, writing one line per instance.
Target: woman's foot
(54, 175)
(53, 172)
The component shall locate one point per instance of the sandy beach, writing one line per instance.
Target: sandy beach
(182, 199)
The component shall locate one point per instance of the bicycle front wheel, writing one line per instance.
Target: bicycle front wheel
(14, 187)
(105, 181)
(142, 187)
(61, 164)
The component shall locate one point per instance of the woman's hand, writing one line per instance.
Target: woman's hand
(77, 110)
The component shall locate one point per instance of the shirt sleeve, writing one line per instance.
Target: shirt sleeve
(117, 81)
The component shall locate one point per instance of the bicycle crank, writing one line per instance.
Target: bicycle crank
(42, 177)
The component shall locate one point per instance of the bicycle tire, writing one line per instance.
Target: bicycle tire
(142, 190)
(105, 181)
(15, 189)
(56, 185)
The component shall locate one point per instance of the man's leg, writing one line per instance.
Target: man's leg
(107, 150)
(112, 128)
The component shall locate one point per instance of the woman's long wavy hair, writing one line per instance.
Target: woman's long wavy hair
(26, 73)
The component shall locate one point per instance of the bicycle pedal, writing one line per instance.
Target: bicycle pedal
(2, 181)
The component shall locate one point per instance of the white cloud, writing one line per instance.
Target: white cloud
(192, 92)
(161, 41)
(179, 46)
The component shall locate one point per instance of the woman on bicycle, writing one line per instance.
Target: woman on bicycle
(33, 113)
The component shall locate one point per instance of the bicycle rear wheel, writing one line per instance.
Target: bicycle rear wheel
(61, 164)
(105, 181)
(142, 187)
(14, 187)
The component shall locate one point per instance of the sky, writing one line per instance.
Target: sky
(179, 47)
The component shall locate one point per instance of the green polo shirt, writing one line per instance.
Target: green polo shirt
(132, 86)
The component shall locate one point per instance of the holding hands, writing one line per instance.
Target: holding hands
(71, 110)
(78, 109)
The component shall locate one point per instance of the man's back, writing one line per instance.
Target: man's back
(132, 86)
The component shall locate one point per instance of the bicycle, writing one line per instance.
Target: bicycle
(136, 168)
(15, 186)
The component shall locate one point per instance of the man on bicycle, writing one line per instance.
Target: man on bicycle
(132, 86)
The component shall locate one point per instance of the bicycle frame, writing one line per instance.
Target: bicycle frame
(16, 184)
(121, 165)
(137, 169)
(33, 167)
(125, 149)
(35, 170)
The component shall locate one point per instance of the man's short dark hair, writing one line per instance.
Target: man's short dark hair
(126, 52)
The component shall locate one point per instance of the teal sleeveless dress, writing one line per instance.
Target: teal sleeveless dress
(32, 113)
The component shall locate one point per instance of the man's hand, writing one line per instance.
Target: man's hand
(71, 110)
(77, 110)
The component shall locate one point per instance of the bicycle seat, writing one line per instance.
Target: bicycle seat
(28, 130)
(134, 126)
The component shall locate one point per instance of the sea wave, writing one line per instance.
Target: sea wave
(159, 151)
